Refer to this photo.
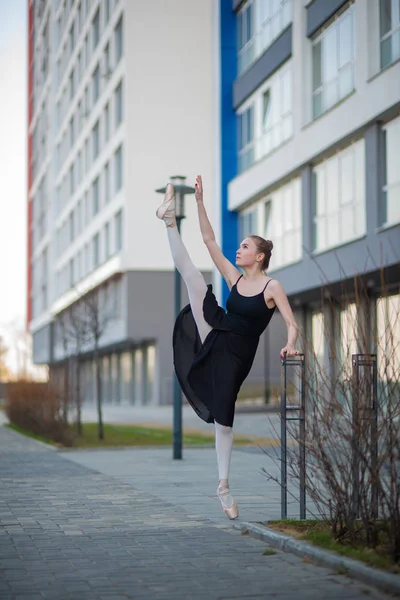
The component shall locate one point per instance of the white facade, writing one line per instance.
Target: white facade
(126, 104)
(123, 100)
(343, 114)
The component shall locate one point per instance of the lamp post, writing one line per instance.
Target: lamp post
(181, 189)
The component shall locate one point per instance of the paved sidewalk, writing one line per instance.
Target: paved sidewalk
(71, 531)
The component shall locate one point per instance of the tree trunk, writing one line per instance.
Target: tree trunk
(99, 394)
(66, 391)
(78, 397)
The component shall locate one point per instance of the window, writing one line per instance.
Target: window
(72, 179)
(87, 207)
(87, 52)
(87, 155)
(96, 84)
(71, 132)
(277, 111)
(107, 123)
(71, 39)
(118, 105)
(349, 336)
(245, 42)
(390, 31)
(118, 169)
(106, 11)
(245, 123)
(333, 62)
(96, 139)
(283, 224)
(106, 183)
(96, 250)
(107, 246)
(388, 337)
(391, 173)
(78, 218)
(339, 188)
(118, 231)
(119, 42)
(71, 226)
(107, 65)
(273, 16)
(87, 101)
(248, 223)
(96, 196)
(80, 66)
(71, 85)
(87, 259)
(318, 338)
(96, 29)
(71, 273)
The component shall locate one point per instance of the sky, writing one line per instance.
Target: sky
(13, 176)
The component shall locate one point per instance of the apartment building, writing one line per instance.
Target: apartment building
(309, 152)
(120, 99)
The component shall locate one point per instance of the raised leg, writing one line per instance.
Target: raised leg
(194, 280)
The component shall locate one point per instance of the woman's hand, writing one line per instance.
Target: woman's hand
(199, 189)
(289, 350)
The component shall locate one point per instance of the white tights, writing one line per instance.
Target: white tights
(197, 288)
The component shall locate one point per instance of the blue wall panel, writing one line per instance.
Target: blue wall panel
(228, 66)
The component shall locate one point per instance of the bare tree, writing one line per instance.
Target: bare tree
(353, 452)
(98, 313)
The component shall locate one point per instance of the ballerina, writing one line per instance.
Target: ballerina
(214, 349)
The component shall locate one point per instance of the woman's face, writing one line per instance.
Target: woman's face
(247, 254)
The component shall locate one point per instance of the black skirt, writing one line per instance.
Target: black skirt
(211, 373)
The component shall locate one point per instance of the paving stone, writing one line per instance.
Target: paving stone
(99, 531)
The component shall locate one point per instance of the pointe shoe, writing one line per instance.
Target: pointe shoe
(231, 511)
(166, 211)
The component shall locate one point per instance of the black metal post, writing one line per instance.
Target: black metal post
(177, 417)
(283, 442)
(297, 361)
(365, 408)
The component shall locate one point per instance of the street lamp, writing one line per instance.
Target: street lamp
(181, 189)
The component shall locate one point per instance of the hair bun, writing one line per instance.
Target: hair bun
(269, 245)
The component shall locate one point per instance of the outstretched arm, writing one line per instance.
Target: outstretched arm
(228, 271)
(279, 297)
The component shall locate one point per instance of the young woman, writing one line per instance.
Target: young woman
(214, 349)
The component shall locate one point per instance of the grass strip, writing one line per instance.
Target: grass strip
(319, 533)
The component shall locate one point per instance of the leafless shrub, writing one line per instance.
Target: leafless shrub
(352, 422)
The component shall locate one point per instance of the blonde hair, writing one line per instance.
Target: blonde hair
(265, 247)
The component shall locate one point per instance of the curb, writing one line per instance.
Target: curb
(368, 575)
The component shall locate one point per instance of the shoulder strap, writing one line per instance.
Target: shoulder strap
(239, 278)
(266, 285)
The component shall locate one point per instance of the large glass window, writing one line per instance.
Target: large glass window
(96, 28)
(245, 123)
(277, 109)
(259, 23)
(391, 173)
(339, 188)
(96, 196)
(248, 223)
(245, 42)
(282, 224)
(96, 139)
(388, 337)
(118, 105)
(273, 16)
(96, 250)
(348, 339)
(390, 31)
(119, 40)
(118, 231)
(119, 169)
(96, 84)
(333, 62)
